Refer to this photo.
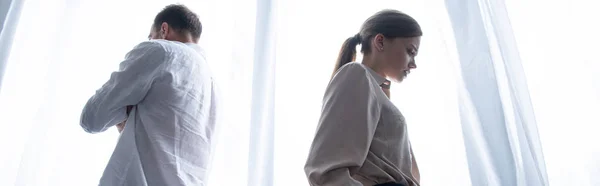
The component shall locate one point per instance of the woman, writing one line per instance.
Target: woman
(361, 138)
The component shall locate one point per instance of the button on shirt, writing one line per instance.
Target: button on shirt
(168, 136)
(362, 137)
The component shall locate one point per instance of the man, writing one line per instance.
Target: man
(164, 99)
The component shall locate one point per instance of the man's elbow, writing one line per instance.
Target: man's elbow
(89, 129)
(90, 125)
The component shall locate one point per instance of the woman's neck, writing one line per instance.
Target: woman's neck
(374, 65)
(370, 63)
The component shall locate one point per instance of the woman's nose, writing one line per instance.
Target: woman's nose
(412, 65)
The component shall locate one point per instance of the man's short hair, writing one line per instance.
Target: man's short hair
(180, 18)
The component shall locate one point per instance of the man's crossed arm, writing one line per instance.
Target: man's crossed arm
(126, 87)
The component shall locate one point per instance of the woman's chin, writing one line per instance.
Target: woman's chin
(398, 79)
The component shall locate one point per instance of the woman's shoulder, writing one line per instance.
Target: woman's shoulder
(354, 75)
(353, 68)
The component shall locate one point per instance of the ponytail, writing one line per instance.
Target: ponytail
(347, 53)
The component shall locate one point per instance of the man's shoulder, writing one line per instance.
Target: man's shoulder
(161, 44)
(165, 46)
(161, 48)
(152, 48)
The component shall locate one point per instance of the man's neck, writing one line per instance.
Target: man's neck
(185, 39)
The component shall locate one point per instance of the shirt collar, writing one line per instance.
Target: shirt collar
(196, 47)
(381, 81)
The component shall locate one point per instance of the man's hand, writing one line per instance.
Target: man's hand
(121, 125)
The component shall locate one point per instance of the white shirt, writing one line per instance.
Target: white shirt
(361, 138)
(168, 136)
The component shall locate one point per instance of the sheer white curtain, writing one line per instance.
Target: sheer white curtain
(530, 93)
(499, 126)
(558, 44)
(274, 59)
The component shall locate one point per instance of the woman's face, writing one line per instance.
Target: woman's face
(398, 56)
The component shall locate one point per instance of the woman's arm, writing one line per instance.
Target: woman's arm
(346, 127)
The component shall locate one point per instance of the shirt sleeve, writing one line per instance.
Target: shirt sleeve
(127, 86)
(348, 121)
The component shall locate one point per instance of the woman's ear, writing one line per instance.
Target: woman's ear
(378, 42)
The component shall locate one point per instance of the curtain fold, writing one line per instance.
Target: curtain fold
(10, 11)
(263, 98)
(499, 127)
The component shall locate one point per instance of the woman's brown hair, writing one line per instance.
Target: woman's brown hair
(389, 23)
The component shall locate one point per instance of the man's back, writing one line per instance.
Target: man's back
(168, 135)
